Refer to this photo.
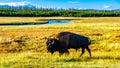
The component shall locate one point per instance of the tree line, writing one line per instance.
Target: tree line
(56, 13)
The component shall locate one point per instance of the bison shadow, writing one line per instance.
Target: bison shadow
(105, 58)
(87, 59)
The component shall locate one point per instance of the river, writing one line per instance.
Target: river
(49, 22)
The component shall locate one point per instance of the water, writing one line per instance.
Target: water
(50, 22)
(58, 22)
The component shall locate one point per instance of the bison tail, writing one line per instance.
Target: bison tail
(89, 42)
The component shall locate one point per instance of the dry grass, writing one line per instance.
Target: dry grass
(31, 52)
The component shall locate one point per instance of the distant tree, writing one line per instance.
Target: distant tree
(30, 12)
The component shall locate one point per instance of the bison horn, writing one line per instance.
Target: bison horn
(53, 42)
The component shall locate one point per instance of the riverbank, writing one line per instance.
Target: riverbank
(42, 20)
(12, 21)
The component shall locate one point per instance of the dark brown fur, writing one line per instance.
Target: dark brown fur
(68, 40)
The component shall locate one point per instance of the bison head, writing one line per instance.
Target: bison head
(52, 45)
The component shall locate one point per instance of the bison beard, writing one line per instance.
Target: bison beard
(67, 40)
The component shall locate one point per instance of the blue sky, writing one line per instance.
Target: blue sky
(79, 4)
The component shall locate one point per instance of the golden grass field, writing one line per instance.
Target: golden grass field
(32, 53)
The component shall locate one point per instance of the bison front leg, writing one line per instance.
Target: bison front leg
(63, 51)
(83, 50)
(88, 49)
(66, 52)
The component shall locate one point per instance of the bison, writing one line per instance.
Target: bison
(67, 40)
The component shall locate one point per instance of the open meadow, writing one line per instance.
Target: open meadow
(24, 46)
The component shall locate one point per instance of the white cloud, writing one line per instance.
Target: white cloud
(15, 3)
(106, 6)
(79, 8)
(73, 2)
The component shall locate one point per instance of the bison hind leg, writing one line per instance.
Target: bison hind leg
(83, 50)
(88, 49)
